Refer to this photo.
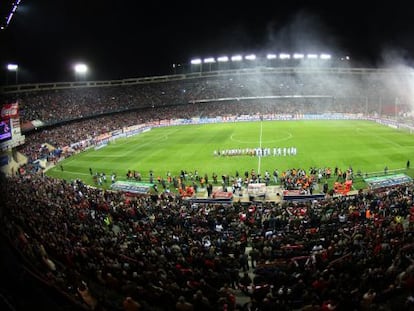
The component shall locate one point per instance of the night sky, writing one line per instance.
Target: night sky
(126, 39)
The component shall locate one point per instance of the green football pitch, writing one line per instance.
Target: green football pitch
(364, 145)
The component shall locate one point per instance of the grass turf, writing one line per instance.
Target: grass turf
(364, 145)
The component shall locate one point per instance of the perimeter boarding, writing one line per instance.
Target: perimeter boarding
(259, 192)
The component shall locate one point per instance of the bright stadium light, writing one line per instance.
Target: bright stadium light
(80, 71)
(222, 59)
(325, 56)
(81, 68)
(236, 58)
(298, 56)
(15, 68)
(12, 67)
(312, 56)
(196, 64)
(284, 56)
(250, 57)
(196, 61)
(209, 60)
(271, 56)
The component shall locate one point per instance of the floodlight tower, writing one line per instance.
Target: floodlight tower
(209, 61)
(222, 59)
(284, 56)
(80, 71)
(196, 62)
(15, 68)
(236, 59)
(250, 58)
(270, 59)
(312, 56)
(325, 56)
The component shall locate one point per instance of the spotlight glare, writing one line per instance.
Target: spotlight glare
(250, 57)
(236, 58)
(81, 68)
(312, 56)
(196, 61)
(222, 59)
(298, 56)
(209, 60)
(12, 67)
(325, 56)
(284, 56)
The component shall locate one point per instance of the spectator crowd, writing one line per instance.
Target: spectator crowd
(325, 91)
(113, 251)
(351, 253)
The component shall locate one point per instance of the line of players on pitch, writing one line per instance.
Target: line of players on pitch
(259, 152)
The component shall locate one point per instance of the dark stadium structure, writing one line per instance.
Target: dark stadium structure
(344, 253)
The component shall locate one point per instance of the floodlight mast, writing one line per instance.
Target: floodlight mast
(15, 68)
(196, 62)
(236, 58)
(209, 61)
(80, 70)
(221, 59)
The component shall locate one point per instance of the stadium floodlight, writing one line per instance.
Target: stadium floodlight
(15, 68)
(312, 56)
(271, 56)
(236, 58)
(284, 56)
(325, 56)
(209, 60)
(12, 67)
(196, 61)
(222, 59)
(298, 56)
(81, 68)
(250, 57)
(80, 71)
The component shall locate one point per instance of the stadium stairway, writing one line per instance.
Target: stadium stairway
(15, 160)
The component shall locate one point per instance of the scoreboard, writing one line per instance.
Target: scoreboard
(10, 132)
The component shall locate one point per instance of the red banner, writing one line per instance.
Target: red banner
(10, 111)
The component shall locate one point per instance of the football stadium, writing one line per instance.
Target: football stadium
(282, 186)
(170, 185)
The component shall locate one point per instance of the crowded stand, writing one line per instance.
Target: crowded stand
(349, 91)
(110, 250)
(155, 250)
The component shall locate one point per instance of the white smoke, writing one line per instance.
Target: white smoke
(400, 79)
